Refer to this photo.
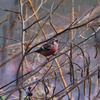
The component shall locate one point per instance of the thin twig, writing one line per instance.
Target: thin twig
(9, 10)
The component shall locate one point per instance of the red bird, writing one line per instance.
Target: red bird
(48, 48)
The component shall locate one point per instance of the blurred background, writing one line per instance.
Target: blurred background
(11, 26)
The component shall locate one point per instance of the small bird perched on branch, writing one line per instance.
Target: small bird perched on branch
(48, 48)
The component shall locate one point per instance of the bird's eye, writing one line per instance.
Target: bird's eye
(56, 40)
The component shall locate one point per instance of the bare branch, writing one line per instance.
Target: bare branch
(9, 10)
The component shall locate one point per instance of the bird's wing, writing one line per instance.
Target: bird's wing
(46, 46)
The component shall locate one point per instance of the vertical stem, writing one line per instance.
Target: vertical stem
(62, 77)
(23, 48)
(71, 56)
(72, 18)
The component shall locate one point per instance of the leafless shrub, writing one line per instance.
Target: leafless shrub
(71, 73)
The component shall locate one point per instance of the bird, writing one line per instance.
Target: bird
(48, 48)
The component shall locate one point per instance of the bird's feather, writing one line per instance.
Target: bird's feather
(45, 47)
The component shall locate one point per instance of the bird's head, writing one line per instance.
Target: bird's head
(54, 42)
